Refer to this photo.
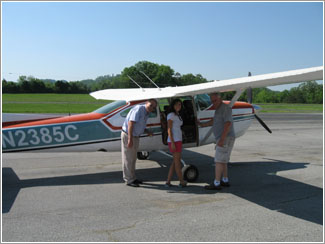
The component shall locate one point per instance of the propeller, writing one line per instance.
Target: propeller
(250, 100)
(262, 123)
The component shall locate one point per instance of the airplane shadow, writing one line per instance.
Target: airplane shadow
(256, 182)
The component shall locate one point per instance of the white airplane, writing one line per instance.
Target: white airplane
(100, 130)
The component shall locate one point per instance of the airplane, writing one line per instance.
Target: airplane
(100, 130)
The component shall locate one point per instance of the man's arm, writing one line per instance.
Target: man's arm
(226, 129)
(130, 133)
(206, 124)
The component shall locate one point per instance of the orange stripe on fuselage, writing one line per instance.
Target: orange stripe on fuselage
(65, 119)
(237, 105)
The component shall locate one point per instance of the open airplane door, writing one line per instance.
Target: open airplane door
(205, 112)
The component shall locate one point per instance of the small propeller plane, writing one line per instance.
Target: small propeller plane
(100, 130)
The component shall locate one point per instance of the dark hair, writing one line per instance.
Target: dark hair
(152, 100)
(172, 109)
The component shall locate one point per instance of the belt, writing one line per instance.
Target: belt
(127, 134)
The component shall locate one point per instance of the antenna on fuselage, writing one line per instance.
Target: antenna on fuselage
(135, 83)
(150, 80)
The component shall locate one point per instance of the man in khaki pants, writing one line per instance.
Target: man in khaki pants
(133, 126)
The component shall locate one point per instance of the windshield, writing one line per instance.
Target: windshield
(202, 101)
(110, 107)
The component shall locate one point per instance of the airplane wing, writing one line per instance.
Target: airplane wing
(272, 79)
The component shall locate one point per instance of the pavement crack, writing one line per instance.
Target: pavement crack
(110, 232)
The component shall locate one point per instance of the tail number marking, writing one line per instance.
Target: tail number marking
(44, 135)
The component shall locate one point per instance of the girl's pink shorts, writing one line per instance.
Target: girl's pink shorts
(178, 145)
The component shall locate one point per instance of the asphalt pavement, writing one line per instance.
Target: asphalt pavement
(276, 193)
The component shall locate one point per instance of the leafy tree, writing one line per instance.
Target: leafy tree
(9, 87)
(162, 75)
(190, 79)
(62, 87)
(311, 91)
(37, 86)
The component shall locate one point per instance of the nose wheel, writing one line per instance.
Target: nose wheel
(142, 155)
(190, 173)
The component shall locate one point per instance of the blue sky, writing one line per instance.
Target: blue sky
(219, 40)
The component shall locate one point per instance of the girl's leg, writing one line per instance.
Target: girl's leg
(171, 171)
(178, 168)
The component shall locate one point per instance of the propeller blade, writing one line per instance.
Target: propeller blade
(262, 123)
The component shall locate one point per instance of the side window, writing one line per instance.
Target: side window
(153, 114)
(110, 107)
(202, 101)
(163, 104)
(126, 111)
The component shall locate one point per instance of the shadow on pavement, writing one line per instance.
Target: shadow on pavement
(256, 182)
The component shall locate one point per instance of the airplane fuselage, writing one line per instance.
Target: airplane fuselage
(101, 129)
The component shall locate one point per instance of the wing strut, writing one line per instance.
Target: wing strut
(135, 83)
(150, 80)
(237, 95)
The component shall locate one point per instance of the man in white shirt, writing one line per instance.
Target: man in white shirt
(133, 126)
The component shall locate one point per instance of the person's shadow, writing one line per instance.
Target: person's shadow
(256, 182)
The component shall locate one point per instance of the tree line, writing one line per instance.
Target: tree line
(163, 76)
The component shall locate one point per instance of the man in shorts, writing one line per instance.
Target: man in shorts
(223, 130)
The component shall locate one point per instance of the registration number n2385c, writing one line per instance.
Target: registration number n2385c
(38, 136)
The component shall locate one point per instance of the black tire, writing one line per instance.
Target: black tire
(142, 155)
(190, 173)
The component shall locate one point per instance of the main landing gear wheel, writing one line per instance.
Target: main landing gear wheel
(190, 173)
(142, 155)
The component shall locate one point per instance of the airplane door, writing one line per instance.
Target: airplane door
(204, 114)
(151, 143)
(188, 115)
(190, 126)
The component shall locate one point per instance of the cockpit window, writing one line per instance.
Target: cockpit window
(110, 107)
(202, 101)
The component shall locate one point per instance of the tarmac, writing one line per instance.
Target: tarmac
(276, 192)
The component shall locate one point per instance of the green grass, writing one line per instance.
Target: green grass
(50, 97)
(84, 103)
(50, 103)
(290, 108)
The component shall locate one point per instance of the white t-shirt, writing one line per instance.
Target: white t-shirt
(176, 130)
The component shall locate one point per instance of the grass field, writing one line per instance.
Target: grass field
(84, 103)
(291, 108)
(50, 103)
